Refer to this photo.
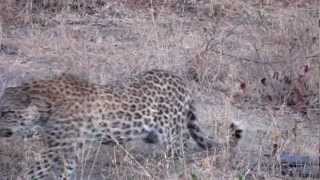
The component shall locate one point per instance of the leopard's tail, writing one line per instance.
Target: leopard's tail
(208, 143)
(198, 135)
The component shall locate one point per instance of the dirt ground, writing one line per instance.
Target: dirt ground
(252, 62)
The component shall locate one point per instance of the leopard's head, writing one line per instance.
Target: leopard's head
(17, 116)
(18, 121)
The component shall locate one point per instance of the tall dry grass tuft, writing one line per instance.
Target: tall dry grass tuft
(252, 62)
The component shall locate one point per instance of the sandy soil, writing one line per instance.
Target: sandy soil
(224, 48)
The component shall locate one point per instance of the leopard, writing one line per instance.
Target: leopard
(24, 106)
(155, 106)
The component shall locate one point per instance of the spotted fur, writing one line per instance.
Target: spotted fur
(154, 106)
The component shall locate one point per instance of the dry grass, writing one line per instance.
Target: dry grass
(238, 55)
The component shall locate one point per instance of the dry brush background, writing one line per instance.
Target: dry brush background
(253, 62)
